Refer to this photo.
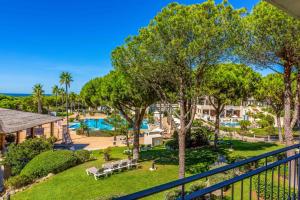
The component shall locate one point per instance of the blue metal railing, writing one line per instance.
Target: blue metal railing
(267, 166)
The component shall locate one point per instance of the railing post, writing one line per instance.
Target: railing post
(298, 178)
(182, 192)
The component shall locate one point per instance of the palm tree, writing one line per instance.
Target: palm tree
(66, 79)
(72, 97)
(55, 92)
(62, 93)
(38, 93)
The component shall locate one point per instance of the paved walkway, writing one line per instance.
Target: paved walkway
(95, 143)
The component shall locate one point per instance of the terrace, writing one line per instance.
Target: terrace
(26, 124)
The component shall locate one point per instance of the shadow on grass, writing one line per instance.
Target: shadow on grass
(249, 146)
(197, 160)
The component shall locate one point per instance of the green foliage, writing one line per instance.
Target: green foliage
(37, 94)
(230, 83)
(19, 103)
(268, 188)
(268, 32)
(18, 181)
(51, 140)
(49, 162)
(200, 137)
(17, 156)
(171, 144)
(82, 155)
(197, 123)
(107, 154)
(271, 90)
(89, 92)
(197, 138)
(151, 119)
(244, 124)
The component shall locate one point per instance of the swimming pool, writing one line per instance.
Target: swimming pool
(101, 124)
(230, 124)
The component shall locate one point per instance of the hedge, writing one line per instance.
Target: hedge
(18, 181)
(45, 163)
(17, 156)
(269, 195)
(82, 155)
(49, 162)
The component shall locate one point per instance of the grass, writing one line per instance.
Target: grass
(74, 184)
(247, 149)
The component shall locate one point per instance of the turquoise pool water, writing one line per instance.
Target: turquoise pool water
(230, 124)
(101, 124)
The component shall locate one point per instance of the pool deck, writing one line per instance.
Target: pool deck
(95, 143)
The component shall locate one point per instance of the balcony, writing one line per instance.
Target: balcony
(272, 175)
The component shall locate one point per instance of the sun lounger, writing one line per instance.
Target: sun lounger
(123, 165)
(101, 173)
(115, 166)
(133, 163)
(91, 171)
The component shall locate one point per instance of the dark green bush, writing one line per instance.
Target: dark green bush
(49, 162)
(17, 156)
(51, 139)
(173, 195)
(268, 187)
(171, 144)
(197, 186)
(82, 155)
(197, 123)
(244, 124)
(196, 138)
(200, 137)
(18, 181)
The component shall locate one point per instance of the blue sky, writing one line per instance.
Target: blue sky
(41, 38)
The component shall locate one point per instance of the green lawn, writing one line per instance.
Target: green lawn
(74, 184)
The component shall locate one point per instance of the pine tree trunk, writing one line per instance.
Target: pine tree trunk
(287, 106)
(136, 141)
(217, 129)
(139, 115)
(287, 116)
(279, 128)
(181, 136)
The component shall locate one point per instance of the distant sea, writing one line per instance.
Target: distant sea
(19, 94)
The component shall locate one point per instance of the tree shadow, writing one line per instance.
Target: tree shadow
(197, 159)
(249, 146)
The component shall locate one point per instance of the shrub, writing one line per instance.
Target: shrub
(106, 154)
(103, 133)
(197, 123)
(197, 186)
(245, 124)
(18, 181)
(17, 156)
(268, 187)
(71, 119)
(173, 195)
(49, 162)
(263, 123)
(171, 144)
(196, 138)
(51, 139)
(200, 137)
(82, 155)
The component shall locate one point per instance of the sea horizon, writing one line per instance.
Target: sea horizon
(19, 94)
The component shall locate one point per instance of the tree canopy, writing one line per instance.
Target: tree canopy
(229, 84)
